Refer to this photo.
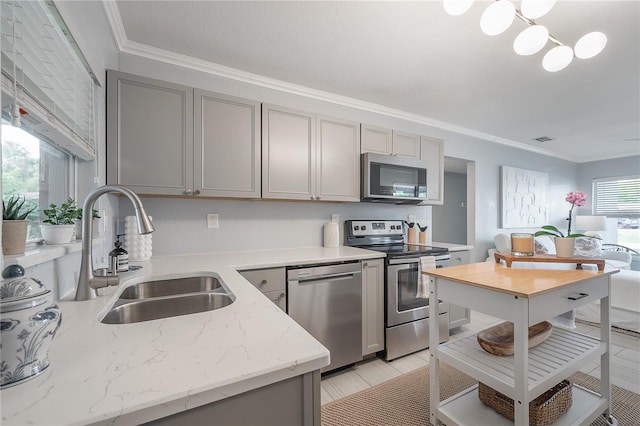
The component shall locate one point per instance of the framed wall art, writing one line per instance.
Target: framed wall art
(524, 197)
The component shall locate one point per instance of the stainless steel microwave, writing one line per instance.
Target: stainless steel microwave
(393, 179)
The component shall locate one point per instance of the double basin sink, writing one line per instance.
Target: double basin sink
(150, 300)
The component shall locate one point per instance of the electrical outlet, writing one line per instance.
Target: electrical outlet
(212, 220)
(335, 218)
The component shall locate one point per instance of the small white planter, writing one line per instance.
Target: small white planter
(57, 234)
(565, 246)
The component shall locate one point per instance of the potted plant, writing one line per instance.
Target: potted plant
(565, 245)
(14, 224)
(78, 229)
(60, 222)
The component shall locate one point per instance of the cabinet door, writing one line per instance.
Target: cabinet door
(375, 139)
(372, 306)
(432, 152)
(406, 144)
(227, 146)
(149, 135)
(459, 315)
(337, 160)
(288, 142)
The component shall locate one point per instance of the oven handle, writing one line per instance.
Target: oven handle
(403, 260)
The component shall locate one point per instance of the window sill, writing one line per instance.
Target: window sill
(42, 253)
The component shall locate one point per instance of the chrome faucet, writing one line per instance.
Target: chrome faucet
(88, 283)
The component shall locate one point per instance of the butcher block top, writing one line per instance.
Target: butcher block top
(515, 281)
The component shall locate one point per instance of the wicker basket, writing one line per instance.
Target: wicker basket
(543, 410)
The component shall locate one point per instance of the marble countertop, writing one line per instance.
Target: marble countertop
(134, 373)
(452, 247)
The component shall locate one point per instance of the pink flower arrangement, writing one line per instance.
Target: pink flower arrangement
(575, 199)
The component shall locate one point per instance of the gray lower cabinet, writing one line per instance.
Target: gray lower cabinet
(372, 306)
(459, 315)
(293, 402)
(271, 282)
(169, 139)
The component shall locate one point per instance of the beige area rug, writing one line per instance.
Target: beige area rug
(404, 400)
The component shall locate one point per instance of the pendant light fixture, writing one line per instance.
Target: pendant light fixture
(499, 16)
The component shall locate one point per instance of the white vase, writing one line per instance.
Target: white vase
(57, 234)
(565, 246)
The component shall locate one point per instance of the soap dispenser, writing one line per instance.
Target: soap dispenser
(119, 257)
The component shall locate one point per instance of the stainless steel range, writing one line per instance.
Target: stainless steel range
(406, 314)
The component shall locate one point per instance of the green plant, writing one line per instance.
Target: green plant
(94, 212)
(12, 209)
(66, 214)
(575, 199)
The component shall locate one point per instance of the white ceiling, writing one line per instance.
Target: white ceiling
(413, 57)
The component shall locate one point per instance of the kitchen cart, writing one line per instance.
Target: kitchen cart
(524, 297)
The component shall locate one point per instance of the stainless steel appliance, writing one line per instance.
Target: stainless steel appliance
(327, 302)
(406, 314)
(394, 179)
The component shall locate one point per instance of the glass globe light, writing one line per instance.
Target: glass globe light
(531, 40)
(557, 58)
(497, 17)
(534, 9)
(456, 7)
(590, 45)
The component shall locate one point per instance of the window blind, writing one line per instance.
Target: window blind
(55, 86)
(617, 197)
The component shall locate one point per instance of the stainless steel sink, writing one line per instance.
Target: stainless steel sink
(150, 300)
(164, 307)
(161, 288)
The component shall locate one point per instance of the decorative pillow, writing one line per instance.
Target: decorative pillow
(540, 248)
(588, 247)
(547, 242)
(503, 243)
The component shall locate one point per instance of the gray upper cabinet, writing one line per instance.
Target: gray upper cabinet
(288, 155)
(376, 139)
(149, 134)
(227, 146)
(168, 139)
(406, 144)
(337, 160)
(300, 164)
(389, 142)
(432, 152)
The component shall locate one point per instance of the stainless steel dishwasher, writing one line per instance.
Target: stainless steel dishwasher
(326, 301)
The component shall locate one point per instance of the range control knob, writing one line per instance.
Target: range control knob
(364, 227)
(356, 228)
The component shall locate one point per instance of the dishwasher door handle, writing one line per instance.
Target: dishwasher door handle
(307, 279)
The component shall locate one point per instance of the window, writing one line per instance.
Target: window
(36, 169)
(619, 197)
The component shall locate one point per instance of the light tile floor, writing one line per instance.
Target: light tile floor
(625, 363)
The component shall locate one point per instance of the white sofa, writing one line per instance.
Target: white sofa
(625, 285)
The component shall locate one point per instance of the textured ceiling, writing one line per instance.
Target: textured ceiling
(413, 57)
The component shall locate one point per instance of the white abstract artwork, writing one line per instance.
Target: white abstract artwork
(524, 198)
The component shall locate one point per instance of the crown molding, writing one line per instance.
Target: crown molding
(177, 59)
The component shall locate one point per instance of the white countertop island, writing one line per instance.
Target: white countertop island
(134, 373)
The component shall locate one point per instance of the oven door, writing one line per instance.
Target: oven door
(403, 305)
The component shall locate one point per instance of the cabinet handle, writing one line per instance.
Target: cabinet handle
(577, 296)
(365, 265)
(188, 192)
(317, 197)
(263, 282)
(196, 192)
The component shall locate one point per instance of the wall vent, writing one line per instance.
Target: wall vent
(543, 139)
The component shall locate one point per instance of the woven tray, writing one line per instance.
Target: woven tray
(543, 410)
